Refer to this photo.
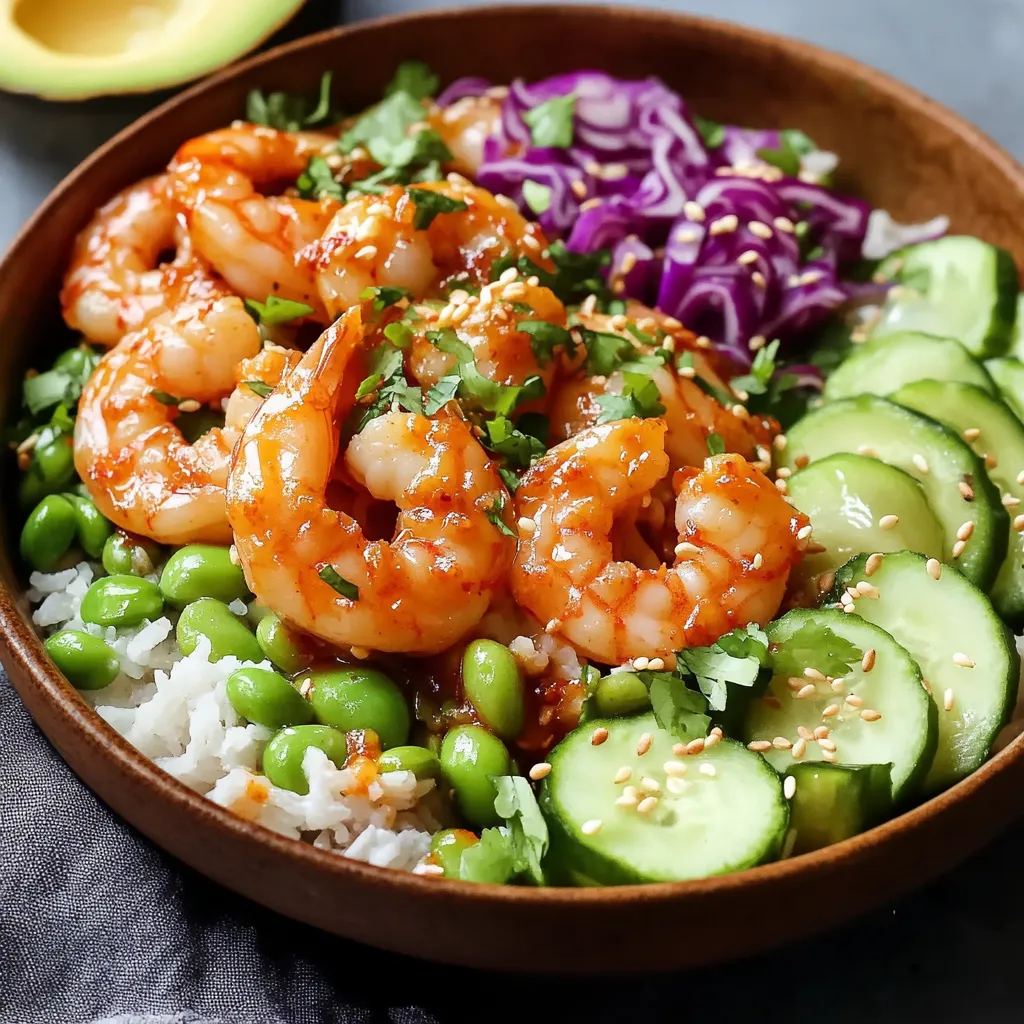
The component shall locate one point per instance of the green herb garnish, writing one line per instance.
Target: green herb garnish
(289, 113)
(494, 514)
(537, 196)
(383, 296)
(258, 387)
(527, 828)
(545, 338)
(317, 180)
(715, 444)
(334, 579)
(551, 122)
(429, 204)
(442, 393)
(640, 397)
(276, 311)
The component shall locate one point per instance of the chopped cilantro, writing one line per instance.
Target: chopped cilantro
(677, 708)
(715, 444)
(518, 449)
(510, 480)
(642, 337)
(536, 424)
(388, 384)
(551, 122)
(527, 828)
(545, 338)
(537, 196)
(711, 132)
(276, 310)
(415, 78)
(736, 658)
(494, 514)
(490, 860)
(289, 113)
(258, 387)
(317, 180)
(398, 334)
(334, 579)
(757, 380)
(383, 297)
(45, 390)
(793, 144)
(817, 647)
(429, 204)
(522, 308)
(605, 352)
(164, 398)
(640, 397)
(579, 274)
(441, 393)
(384, 127)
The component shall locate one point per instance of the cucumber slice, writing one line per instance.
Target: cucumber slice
(963, 407)
(904, 439)
(833, 802)
(937, 620)
(955, 287)
(844, 496)
(702, 824)
(1017, 334)
(881, 366)
(1008, 374)
(904, 735)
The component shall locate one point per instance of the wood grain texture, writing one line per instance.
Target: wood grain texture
(898, 149)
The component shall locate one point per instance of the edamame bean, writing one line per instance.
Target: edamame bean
(122, 601)
(494, 686)
(202, 570)
(278, 644)
(228, 634)
(282, 756)
(470, 755)
(256, 613)
(93, 527)
(361, 698)
(621, 693)
(266, 698)
(86, 661)
(446, 849)
(55, 462)
(48, 532)
(124, 555)
(418, 760)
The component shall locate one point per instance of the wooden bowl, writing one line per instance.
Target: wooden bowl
(898, 149)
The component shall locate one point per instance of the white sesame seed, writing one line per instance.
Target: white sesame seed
(830, 711)
(1009, 501)
(656, 664)
(651, 785)
(624, 774)
(644, 743)
(579, 188)
(799, 748)
(759, 746)
(959, 548)
(508, 276)
(551, 625)
(592, 827)
(626, 800)
(748, 256)
(813, 673)
(647, 804)
(867, 663)
(755, 227)
(827, 744)
(867, 450)
(189, 405)
(966, 490)
(888, 522)
(828, 755)
(712, 739)
(679, 749)
(640, 663)
(934, 567)
(429, 870)
(686, 548)
(821, 732)
(804, 532)
(789, 787)
(962, 660)
(965, 531)
(1018, 523)
(708, 769)
(598, 736)
(971, 434)
(783, 224)
(366, 253)
(779, 442)
(947, 700)
(804, 732)
(1020, 477)
(920, 462)
(854, 701)
(757, 561)
(781, 743)
(873, 564)
(759, 279)
(233, 555)
(632, 792)
(693, 211)
(805, 691)
(677, 786)
(540, 771)
(758, 341)
(870, 715)
(865, 589)
(837, 685)
(527, 525)
(695, 746)
(724, 225)
(674, 768)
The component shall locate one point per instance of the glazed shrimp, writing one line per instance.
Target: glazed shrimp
(140, 471)
(464, 128)
(114, 283)
(417, 593)
(252, 239)
(738, 539)
(371, 242)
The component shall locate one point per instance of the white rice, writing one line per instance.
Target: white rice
(175, 710)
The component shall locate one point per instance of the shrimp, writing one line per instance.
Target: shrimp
(115, 282)
(418, 593)
(140, 471)
(738, 539)
(372, 242)
(251, 239)
(464, 128)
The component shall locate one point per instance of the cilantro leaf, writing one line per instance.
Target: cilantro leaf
(383, 296)
(429, 204)
(817, 647)
(605, 352)
(677, 708)
(757, 380)
(644, 338)
(715, 444)
(537, 425)
(317, 180)
(258, 387)
(579, 274)
(333, 579)
(387, 381)
(494, 514)
(517, 448)
(551, 122)
(287, 112)
(537, 196)
(711, 132)
(509, 479)
(276, 310)
(545, 338)
(441, 393)
(640, 397)
(163, 397)
(492, 859)
(415, 78)
(527, 828)
(383, 127)
(398, 334)
(45, 390)
(793, 144)
(736, 658)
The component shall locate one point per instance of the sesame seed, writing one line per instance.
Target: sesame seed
(626, 800)
(867, 450)
(854, 701)
(632, 792)
(947, 700)
(959, 548)
(677, 786)
(779, 442)
(367, 252)
(1009, 501)
(837, 685)
(781, 486)
(644, 744)
(651, 785)
(624, 774)
(867, 663)
(759, 746)
(870, 715)
(799, 748)
(647, 804)
(702, 341)
(770, 701)
(971, 434)
(789, 787)
(724, 225)
(674, 768)
(873, 564)
(927, 686)
(827, 744)
(592, 827)
(695, 746)
(527, 525)
(801, 460)
(1018, 523)
(826, 580)
(755, 227)
(233, 555)
(748, 256)
(783, 224)
(830, 711)
(828, 755)
(361, 653)
(713, 738)
(804, 692)
(598, 736)
(962, 660)
(804, 532)
(966, 490)
(679, 749)
(708, 769)
(551, 625)
(781, 743)
(804, 733)
(429, 870)
(694, 211)
(888, 522)
(920, 462)
(934, 567)
(759, 279)
(640, 663)
(757, 561)
(579, 188)
(540, 771)
(27, 445)
(758, 341)
(865, 589)
(821, 732)
(686, 548)
(1020, 477)
(965, 531)
(189, 405)
(991, 460)
(813, 673)
(508, 276)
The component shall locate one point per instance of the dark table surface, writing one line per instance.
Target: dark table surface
(96, 924)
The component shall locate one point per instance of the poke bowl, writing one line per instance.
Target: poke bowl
(456, 486)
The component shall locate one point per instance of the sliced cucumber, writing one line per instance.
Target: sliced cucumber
(965, 409)
(882, 365)
(833, 802)
(844, 496)
(935, 456)
(904, 733)
(724, 812)
(955, 287)
(948, 626)
(1008, 374)
(1017, 335)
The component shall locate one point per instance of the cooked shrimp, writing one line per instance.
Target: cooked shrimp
(140, 471)
(252, 239)
(371, 242)
(417, 593)
(464, 127)
(114, 283)
(738, 541)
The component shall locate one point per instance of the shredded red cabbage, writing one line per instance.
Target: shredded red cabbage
(763, 253)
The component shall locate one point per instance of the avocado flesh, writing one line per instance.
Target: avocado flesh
(76, 49)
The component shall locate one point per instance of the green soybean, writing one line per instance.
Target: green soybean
(494, 686)
(122, 601)
(421, 762)
(256, 613)
(278, 644)
(228, 634)
(446, 849)
(202, 570)
(86, 661)
(124, 555)
(266, 698)
(48, 532)
(93, 528)
(470, 755)
(282, 756)
(621, 693)
(52, 469)
(361, 698)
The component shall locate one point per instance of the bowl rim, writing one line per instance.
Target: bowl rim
(23, 647)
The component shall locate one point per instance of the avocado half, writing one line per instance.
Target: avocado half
(75, 49)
